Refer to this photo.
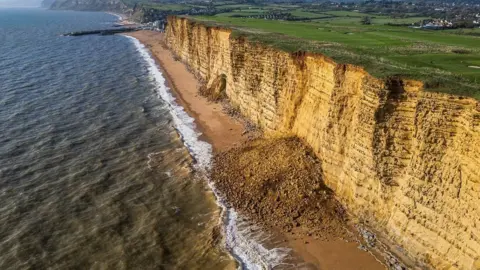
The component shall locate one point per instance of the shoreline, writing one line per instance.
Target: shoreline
(122, 19)
(241, 247)
(224, 132)
(216, 126)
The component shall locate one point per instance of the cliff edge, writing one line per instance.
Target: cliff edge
(405, 162)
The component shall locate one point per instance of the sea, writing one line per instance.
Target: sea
(99, 166)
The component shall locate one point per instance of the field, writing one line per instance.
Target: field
(173, 7)
(445, 60)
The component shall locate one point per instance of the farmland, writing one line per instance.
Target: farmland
(444, 60)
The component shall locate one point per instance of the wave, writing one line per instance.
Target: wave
(119, 17)
(242, 239)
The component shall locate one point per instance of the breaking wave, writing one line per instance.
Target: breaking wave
(243, 240)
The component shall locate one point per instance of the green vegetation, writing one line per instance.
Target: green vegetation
(370, 34)
(149, 4)
(174, 7)
(306, 14)
(444, 60)
(237, 13)
(236, 6)
(471, 32)
(344, 13)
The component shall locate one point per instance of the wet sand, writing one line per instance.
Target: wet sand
(333, 254)
(219, 129)
(225, 132)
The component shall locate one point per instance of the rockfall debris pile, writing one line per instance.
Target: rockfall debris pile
(278, 182)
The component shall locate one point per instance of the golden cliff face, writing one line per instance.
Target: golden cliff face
(405, 161)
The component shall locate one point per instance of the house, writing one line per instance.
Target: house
(437, 24)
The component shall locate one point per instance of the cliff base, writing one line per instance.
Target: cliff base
(278, 182)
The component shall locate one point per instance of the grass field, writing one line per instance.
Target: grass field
(174, 7)
(473, 31)
(240, 13)
(306, 14)
(235, 6)
(444, 60)
(342, 13)
(409, 20)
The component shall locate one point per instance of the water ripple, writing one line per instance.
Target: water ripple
(92, 171)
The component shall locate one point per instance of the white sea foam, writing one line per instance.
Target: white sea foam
(119, 17)
(200, 150)
(150, 156)
(242, 239)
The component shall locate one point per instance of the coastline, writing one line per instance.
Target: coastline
(217, 127)
(240, 242)
(123, 19)
(224, 132)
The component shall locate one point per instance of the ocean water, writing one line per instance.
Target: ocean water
(98, 167)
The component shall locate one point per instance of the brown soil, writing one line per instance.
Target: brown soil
(278, 182)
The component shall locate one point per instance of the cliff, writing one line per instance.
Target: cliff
(403, 161)
(87, 5)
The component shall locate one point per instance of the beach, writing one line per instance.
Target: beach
(225, 133)
(217, 127)
(97, 158)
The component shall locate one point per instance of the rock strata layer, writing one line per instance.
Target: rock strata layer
(402, 160)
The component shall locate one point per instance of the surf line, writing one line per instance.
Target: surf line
(243, 245)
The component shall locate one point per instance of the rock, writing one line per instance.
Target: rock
(362, 247)
(476, 265)
(279, 177)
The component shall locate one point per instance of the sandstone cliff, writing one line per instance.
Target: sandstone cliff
(404, 161)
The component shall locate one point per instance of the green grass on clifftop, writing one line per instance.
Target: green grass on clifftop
(446, 61)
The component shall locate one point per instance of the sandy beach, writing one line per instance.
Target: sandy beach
(225, 132)
(219, 129)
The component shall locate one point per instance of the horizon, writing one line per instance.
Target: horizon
(20, 4)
